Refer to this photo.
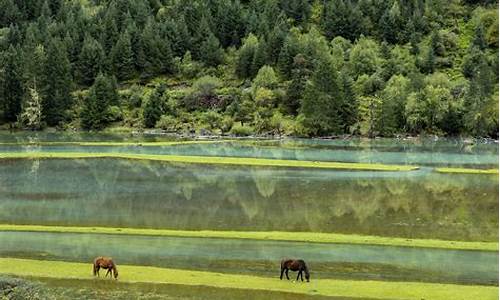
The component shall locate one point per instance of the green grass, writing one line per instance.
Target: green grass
(210, 160)
(326, 287)
(311, 237)
(466, 171)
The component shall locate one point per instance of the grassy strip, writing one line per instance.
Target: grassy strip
(326, 287)
(311, 237)
(466, 171)
(113, 144)
(211, 160)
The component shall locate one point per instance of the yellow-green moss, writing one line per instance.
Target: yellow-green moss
(327, 287)
(210, 160)
(467, 171)
(312, 237)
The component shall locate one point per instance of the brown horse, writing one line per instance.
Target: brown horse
(105, 263)
(294, 265)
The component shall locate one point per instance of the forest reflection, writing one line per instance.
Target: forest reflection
(128, 193)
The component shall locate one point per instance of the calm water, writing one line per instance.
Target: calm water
(479, 158)
(427, 152)
(130, 193)
(454, 265)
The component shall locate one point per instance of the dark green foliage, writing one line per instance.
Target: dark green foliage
(9, 13)
(304, 67)
(297, 10)
(300, 74)
(157, 52)
(90, 61)
(349, 106)
(155, 107)
(321, 102)
(341, 18)
(57, 84)
(95, 107)
(245, 65)
(122, 58)
(11, 84)
(211, 54)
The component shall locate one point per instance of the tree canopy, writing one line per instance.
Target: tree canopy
(301, 67)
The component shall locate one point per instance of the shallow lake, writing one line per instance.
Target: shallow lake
(149, 194)
(259, 257)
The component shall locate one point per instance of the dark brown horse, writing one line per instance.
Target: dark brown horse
(294, 265)
(105, 263)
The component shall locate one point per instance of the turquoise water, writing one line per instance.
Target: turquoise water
(453, 265)
(237, 150)
(427, 152)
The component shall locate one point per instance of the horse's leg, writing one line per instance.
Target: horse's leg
(281, 275)
(109, 272)
(286, 273)
(301, 275)
(298, 275)
(97, 271)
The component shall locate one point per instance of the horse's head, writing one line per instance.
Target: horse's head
(306, 270)
(115, 272)
(307, 276)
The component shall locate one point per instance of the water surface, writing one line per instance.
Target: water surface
(148, 194)
(225, 255)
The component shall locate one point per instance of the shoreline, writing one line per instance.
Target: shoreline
(182, 135)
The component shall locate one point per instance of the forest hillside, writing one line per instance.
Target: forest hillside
(293, 67)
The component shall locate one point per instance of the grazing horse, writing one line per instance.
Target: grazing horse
(105, 263)
(294, 265)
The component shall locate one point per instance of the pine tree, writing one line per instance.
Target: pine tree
(9, 13)
(57, 85)
(300, 74)
(348, 111)
(211, 54)
(96, 105)
(244, 65)
(154, 107)
(90, 61)
(341, 18)
(298, 10)
(11, 84)
(321, 102)
(479, 39)
(122, 58)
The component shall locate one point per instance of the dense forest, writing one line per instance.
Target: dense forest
(294, 67)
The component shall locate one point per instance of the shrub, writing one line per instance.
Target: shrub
(239, 129)
(202, 94)
(167, 123)
(114, 114)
